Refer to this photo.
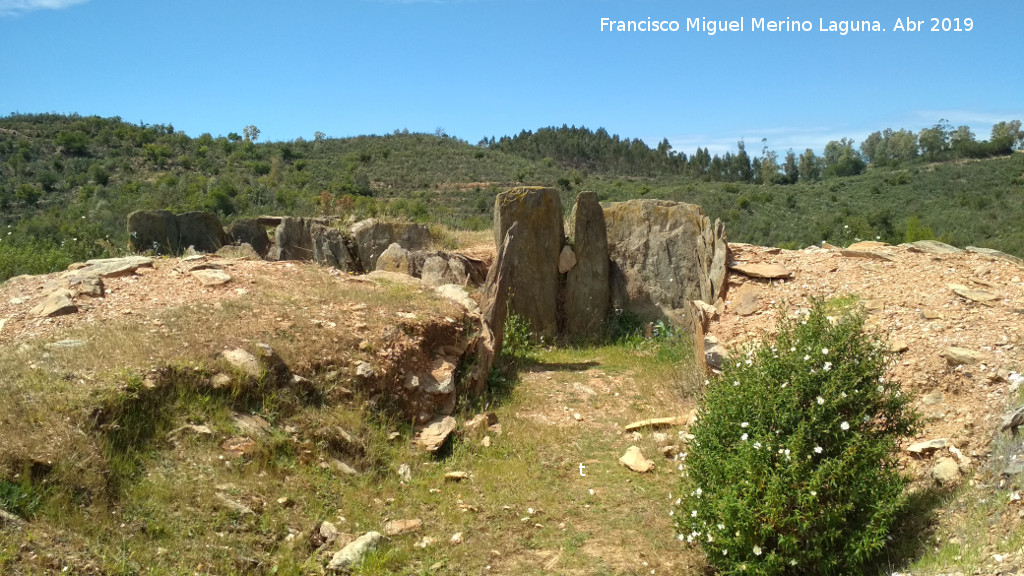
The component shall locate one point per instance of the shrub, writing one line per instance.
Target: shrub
(793, 467)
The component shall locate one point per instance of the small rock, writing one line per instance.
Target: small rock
(456, 538)
(635, 461)
(946, 472)
(955, 356)
(746, 300)
(767, 271)
(485, 441)
(434, 436)
(457, 476)
(328, 532)
(342, 468)
(928, 446)
(973, 295)
(427, 541)
(243, 361)
(57, 303)
(932, 398)
(566, 260)
(211, 277)
(232, 505)
(397, 527)
(898, 346)
(220, 380)
(405, 472)
(480, 422)
(364, 370)
(351, 555)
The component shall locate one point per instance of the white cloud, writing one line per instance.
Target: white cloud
(15, 7)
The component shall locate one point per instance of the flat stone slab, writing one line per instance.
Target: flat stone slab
(746, 300)
(634, 460)
(111, 267)
(57, 303)
(867, 245)
(866, 254)
(932, 247)
(211, 277)
(767, 271)
(434, 436)
(996, 254)
(928, 446)
(955, 356)
(972, 294)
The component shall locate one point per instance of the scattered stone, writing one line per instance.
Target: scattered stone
(955, 356)
(57, 303)
(342, 468)
(211, 277)
(566, 260)
(458, 294)
(746, 300)
(251, 424)
(8, 520)
(932, 398)
(405, 472)
(1012, 420)
(240, 252)
(996, 255)
(932, 247)
(285, 502)
(928, 314)
(433, 437)
(364, 370)
(398, 527)
(485, 441)
(238, 446)
(898, 346)
(870, 255)
(928, 446)
(768, 271)
(91, 286)
(426, 542)
(657, 423)
(328, 532)
(456, 538)
(243, 361)
(635, 461)
(197, 429)
(220, 380)
(232, 505)
(714, 354)
(350, 555)
(457, 476)
(109, 268)
(946, 472)
(971, 294)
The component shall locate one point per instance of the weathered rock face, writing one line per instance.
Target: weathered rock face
(396, 259)
(372, 237)
(534, 285)
(201, 230)
(249, 231)
(663, 254)
(586, 285)
(331, 247)
(153, 230)
(293, 239)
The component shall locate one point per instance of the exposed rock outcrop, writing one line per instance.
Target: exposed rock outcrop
(166, 233)
(371, 237)
(534, 285)
(250, 231)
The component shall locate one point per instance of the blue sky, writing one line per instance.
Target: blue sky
(494, 67)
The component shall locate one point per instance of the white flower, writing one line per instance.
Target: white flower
(818, 449)
(820, 400)
(824, 350)
(710, 537)
(693, 514)
(787, 453)
(813, 493)
(792, 562)
(807, 357)
(845, 425)
(757, 550)
(749, 361)
(784, 384)
(736, 383)
(725, 551)
(721, 527)
(744, 424)
(757, 445)
(744, 437)
(827, 366)
(792, 348)
(842, 394)
(698, 492)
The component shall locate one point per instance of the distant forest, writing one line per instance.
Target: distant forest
(67, 182)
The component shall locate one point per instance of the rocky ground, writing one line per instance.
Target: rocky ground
(954, 319)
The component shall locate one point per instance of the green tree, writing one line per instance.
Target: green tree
(934, 141)
(810, 166)
(251, 133)
(869, 148)
(841, 159)
(1007, 135)
(790, 168)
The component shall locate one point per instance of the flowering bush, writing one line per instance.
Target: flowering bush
(793, 466)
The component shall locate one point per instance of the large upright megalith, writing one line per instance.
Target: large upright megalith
(534, 287)
(663, 254)
(586, 285)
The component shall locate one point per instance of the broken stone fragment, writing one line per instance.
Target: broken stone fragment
(434, 435)
(635, 461)
(350, 555)
(57, 303)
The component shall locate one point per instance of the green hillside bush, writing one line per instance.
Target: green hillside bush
(793, 468)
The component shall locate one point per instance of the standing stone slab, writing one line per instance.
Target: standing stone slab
(331, 247)
(249, 231)
(293, 239)
(372, 237)
(663, 255)
(155, 230)
(534, 286)
(587, 291)
(201, 230)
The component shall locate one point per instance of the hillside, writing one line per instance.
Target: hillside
(67, 183)
(130, 446)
